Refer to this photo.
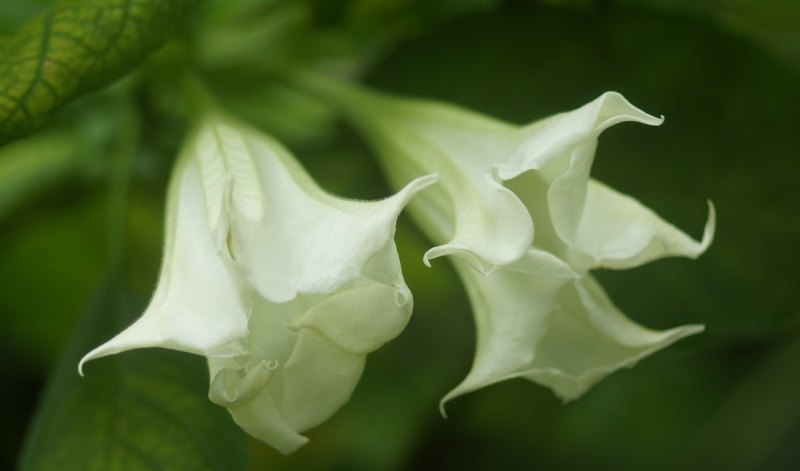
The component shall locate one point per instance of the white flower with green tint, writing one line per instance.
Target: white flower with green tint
(283, 287)
(524, 225)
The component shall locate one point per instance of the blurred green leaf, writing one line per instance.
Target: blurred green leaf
(766, 401)
(15, 12)
(42, 252)
(773, 24)
(74, 48)
(141, 410)
(31, 164)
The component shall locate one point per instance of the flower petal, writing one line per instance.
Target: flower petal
(616, 231)
(561, 149)
(511, 309)
(309, 241)
(490, 227)
(198, 306)
(318, 380)
(359, 320)
(563, 333)
(588, 338)
(262, 419)
(276, 404)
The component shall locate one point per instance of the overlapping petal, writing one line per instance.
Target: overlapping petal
(539, 313)
(598, 225)
(490, 226)
(559, 331)
(283, 287)
(198, 306)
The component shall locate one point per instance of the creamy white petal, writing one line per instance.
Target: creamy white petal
(230, 178)
(562, 333)
(539, 314)
(561, 149)
(318, 380)
(315, 382)
(512, 308)
(553, 140)
(306, 357)
(359, 320)
(616, 231)
(262, 419)
(490, 226)
(309, 241)
(588, 338)
(283, 287)
(198, 307)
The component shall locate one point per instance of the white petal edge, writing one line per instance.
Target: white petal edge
(511, 308)
(616, 231)
(554, 137)
(554, 340)
(199, 305)
(618, 341)
(310, 241)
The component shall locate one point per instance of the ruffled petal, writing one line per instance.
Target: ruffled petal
(305, 358)
(588, 338)
(512, 308)
(261, 418)
(553, 329)
(561, 149)
(309, 241)
(277, 402)
(616, 231)
(361, 319)
(199, 305)
(490, 227)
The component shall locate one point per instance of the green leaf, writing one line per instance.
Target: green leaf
(29, 165)
(74, 48)
(772, 24)
(140, 410)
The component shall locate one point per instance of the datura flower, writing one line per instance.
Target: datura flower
(283, 287)
(524, 224)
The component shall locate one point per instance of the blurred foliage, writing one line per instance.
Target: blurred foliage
(142, 411)
(76, 47)
(772, 24)
(725, 75)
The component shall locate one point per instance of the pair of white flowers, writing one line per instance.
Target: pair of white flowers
(285, 288)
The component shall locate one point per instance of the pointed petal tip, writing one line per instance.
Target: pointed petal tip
(425, 181)
(442, 410)
(710, 229)
(461, 252)
(618, 109)
(92, 355)
(413, 187)
(692, 329)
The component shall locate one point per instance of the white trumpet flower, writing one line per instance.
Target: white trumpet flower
(540, 315)
(282, 286)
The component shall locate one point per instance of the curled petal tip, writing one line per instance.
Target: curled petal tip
(86, 358)
(463, 253)
(711, 227)
(442, 410)
(426, 180)
(615, 108)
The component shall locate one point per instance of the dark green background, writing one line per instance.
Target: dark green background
(727, 79)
